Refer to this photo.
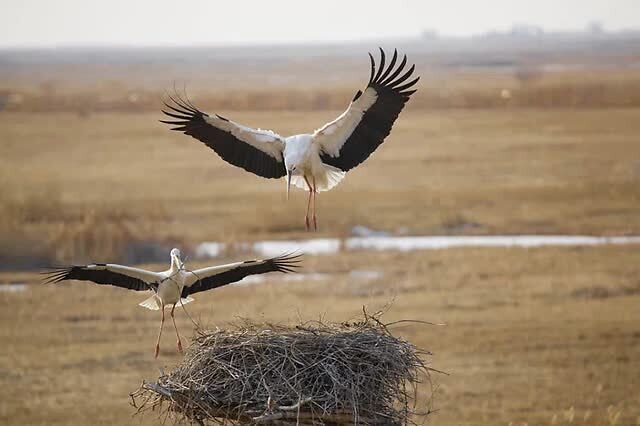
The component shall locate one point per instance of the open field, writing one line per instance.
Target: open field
(85, 186)
(538, 72)
(532, 335)
(539, 336)
(309, 90)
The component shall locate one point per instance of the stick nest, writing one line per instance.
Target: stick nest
(314, 373)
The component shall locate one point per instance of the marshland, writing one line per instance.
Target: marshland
(543, 144)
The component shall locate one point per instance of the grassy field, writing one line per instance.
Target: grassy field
(540, 336)
(544, 336)
(84, 186)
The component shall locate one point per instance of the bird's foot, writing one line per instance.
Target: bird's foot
(179, 346)
(157, 351)
(315, 223)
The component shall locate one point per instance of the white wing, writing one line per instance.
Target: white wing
(255, 150)
(218, 276)
(201, 274)
(349, 139)
(109, 273)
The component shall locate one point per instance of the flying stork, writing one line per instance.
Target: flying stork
(174, 286)
(314, 162)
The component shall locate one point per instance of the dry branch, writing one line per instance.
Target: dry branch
(314, 373)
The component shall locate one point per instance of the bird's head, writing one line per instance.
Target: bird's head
(176, 257)
(291, 165)
(290, 172)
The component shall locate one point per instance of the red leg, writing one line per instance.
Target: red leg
(176, 327)
(306, 217)
(160, 333)
(315, 220)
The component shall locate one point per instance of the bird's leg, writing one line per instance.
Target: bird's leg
(306, 216)
(160, 333)
(315, 220)
(176, 327)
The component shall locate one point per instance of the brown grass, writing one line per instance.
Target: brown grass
(531, 334)
(439, 89)
(122, 177)
(538, 336)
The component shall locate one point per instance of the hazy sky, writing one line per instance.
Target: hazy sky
(182, 22)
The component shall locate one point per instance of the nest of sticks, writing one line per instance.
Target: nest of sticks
(314, 373)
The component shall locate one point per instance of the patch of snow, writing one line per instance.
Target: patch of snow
(13, 287)
(313, 246)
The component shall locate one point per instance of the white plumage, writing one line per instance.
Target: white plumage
(154, 302)
(174, 286)
(314, 162)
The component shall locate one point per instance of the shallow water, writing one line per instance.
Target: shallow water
(438, 243)
(13, 287)
(320, 246)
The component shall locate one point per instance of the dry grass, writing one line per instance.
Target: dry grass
(530, 333)
(545, 336)
(308, 89)
(533, 171)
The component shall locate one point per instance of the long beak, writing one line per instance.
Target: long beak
(288, 183)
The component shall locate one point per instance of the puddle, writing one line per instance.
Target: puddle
(13, 287)
(439, 243)
(320, 246)
(209, 250)
(313, 246)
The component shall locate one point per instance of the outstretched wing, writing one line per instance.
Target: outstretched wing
(106, 273)
(349, 139)
(255, 150)
(218, 276)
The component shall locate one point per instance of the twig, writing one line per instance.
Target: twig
(415, 321)
(157, 389)
(349, 373)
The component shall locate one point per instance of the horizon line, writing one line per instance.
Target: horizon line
(426, 34)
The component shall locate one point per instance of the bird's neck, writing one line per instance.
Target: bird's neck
(176, 265)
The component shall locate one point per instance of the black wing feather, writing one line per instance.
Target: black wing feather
(191, 121)
(285, 263)
(377, 121)
(98, 276)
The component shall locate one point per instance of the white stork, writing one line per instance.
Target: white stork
(174, 286)
(313, 162)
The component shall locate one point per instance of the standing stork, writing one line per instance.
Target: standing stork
(314, 162)
(174, 286)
